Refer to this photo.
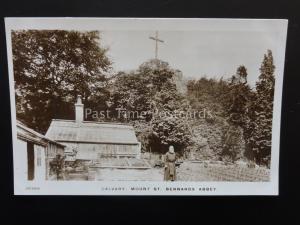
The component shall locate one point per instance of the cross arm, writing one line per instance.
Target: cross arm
(156, 39)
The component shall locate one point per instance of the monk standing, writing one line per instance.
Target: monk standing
(170, 170)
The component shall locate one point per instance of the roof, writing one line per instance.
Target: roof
(29, 134)
(91, 132)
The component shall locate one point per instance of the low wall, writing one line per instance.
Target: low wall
(128, 174)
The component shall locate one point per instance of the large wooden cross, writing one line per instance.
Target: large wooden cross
(156, 43)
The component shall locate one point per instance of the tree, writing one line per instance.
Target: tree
(170, 130)
(51, 67)
(231, 143)
(151, 89)
(260, 114)
(235, 104)
(238, 96)
(147, 89)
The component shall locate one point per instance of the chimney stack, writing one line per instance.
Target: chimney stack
(79, 110)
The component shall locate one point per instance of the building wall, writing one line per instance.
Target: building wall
(39, 162)
(21, 161)
(53, 150)
(86, 151)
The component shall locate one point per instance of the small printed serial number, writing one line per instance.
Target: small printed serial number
(32, 188)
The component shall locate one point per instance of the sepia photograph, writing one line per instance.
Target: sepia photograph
(145, 106)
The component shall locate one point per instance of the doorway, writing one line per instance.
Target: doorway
(30, 160)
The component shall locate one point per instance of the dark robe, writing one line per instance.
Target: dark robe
(57, 167)
(170, 170)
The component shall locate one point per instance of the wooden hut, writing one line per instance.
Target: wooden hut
(33, 153)
(94, 140)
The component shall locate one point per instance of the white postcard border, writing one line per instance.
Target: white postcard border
(125, 188)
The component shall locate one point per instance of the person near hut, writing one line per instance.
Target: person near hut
(170, 167)
(57, 166)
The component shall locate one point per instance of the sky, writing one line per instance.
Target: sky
(196, 53)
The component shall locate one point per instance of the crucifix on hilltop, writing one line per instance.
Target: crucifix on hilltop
(156, 43)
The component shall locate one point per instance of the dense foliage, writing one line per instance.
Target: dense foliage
(243, 115)
(50, 68)
(151, 90)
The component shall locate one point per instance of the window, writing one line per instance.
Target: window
(38, 157)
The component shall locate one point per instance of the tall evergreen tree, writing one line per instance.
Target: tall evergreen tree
(238, 97)
(236, 107)
(260, 114)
